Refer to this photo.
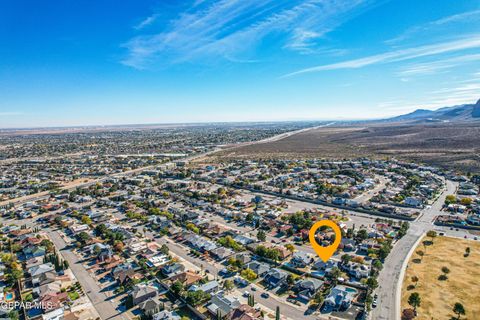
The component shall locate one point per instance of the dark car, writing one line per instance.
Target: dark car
(265, 295)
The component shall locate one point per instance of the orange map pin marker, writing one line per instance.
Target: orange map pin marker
(325, 252)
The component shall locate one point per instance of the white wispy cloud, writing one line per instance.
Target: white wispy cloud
(146, 22)
(448, 96)
(468, 17)
(437, 66)
(233, 28)
(398, 55)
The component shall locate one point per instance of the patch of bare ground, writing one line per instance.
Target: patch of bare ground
(460, 284)
(449, 145)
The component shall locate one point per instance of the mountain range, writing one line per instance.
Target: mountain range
(464, 112)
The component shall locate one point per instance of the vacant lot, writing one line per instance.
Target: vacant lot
(453, 146)
(439, 296)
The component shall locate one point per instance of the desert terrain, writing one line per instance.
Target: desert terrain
(448, 145)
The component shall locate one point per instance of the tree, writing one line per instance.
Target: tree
(335, 273)
(421, 254)
(362, 234)
(319, 298)
(261, 236)
(14, 275)
(196, 297)
(277, 313)
(346, 258)
(248, 274)
(86, 220)
(377, 264)
(458, 309)
(372, 283)
(414, 300)
(408, 314)
(251, 300)
(431, 234)
(83, 237)
(291, 279)
(384, 251)
(450, 199)
(164, 249)
(466, 201)
(228, 285)
(445, 270)
(177, 287)
(290, 247)
(13, 315)
(415, 280)
(193, 228)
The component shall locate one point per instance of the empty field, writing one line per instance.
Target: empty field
(452, 146)
(439, 296)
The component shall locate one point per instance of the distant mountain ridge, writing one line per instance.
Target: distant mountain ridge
(464, 112)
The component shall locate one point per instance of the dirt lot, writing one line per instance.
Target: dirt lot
(462, 285)
(453, 146)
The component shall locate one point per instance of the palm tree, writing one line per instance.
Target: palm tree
(414, 300)
(458, 309)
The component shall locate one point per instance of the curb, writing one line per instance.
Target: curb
(398, 299)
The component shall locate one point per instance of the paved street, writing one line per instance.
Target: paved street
(105, 307)
(288, 310)
(365, 196)
(389, 279)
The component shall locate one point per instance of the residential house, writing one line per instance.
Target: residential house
(221, 304)
(209, 287)
(151, 305)
(166, 315)
(244, 312)
(275, 277)
(33, 251)
(259, 268)
(307, 288)
(143, 292)
(221, 253)
(340, 298)
(37, 271)
(187, 278)
(243, 257)
(357, 270)
(301, 259)
(157, 261)
(172, 269)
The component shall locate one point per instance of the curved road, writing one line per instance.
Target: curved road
(391, 276)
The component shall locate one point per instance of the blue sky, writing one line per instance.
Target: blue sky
(74, 62)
